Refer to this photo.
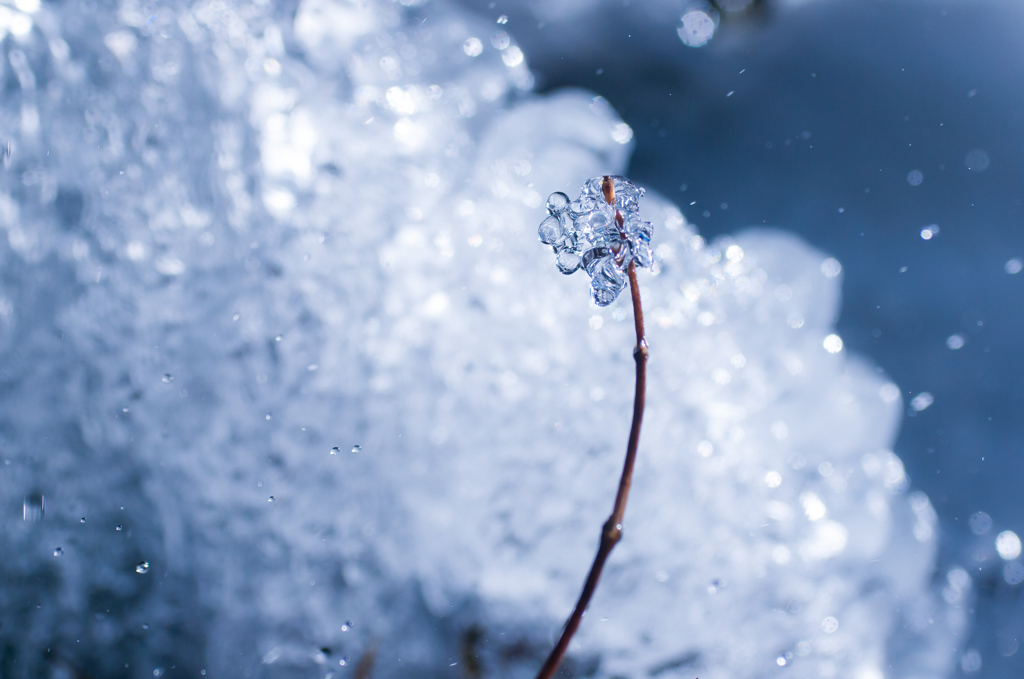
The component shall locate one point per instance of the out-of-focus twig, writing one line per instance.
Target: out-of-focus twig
(364, 668)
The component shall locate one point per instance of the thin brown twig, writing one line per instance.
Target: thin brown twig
(611, 532)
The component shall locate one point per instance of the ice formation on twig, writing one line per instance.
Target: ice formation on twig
(601, 238)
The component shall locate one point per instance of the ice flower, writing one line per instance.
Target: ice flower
(601, 237)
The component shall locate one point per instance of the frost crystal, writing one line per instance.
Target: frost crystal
(604, 239)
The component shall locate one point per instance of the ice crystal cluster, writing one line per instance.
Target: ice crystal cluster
(285, 377)
(604, 239)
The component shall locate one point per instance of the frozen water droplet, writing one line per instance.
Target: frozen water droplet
(1013, 266)
(356, 448)
(58, 552)
(627, 194)
(568, 261)
(270, 499)
(343, 662)
(167, 378)
(558, 203)
(503, 19)
(33, 507)
(642, 253)
(346, 626)
(235, 317)
(142, 567)
(335, 450)
(591, 258)
(609, 276)
(600, 228)
(125, 409)
(550, 230)
(268, 416)
(278, 338)
(82, 520)
(119, 527)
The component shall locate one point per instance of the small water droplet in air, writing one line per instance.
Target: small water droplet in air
(125, 409)
(356, 448)
(335, 450)
(142, 567)
(268, 416)
(473, 47)
(33, 507)
(119, 527)
(235, 317)
(58, 552)
(980, 523)
(343, 662)
(922, 401)
(270, 499)
(167, 378)
(1008, 545)
(279, 338)
(977, 160)
(1014, 266)
(1013, 573)
(503, 19)
(970, 662)
(698, 25)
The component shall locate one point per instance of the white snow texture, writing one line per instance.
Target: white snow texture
(274, 319)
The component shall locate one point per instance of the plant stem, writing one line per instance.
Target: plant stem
(611, 532)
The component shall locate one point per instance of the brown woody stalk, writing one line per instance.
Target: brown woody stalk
(611, 532)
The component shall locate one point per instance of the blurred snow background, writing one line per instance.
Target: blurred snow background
(290, 383)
